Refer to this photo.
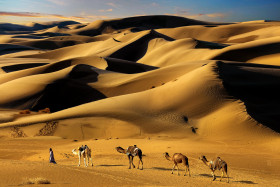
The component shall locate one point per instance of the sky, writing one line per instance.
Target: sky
(23, 11)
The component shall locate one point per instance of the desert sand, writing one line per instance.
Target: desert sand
(163, 83)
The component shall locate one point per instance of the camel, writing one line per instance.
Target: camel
(84, 151)
(178, 158)
(46, 110)
(131, 152)
(218, 163)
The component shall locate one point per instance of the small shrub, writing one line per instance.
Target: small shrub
(37, 180)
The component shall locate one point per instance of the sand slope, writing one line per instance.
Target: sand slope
(160, 81)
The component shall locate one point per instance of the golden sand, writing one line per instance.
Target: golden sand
(180, 85)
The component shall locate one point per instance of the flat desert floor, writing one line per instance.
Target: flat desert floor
(24, 159)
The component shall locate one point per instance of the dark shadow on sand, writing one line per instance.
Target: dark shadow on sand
(205, 175)
(165, 169)
(245, 182)
(109, 165)
(160, 168)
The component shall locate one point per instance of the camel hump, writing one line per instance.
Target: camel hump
(82, 148)
(132, 150)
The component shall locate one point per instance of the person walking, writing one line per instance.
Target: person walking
(52, 157)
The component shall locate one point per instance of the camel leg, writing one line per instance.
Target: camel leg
(222, 175)
(85, 161)
(227, 177)
(91, 161)
(79, 160)
(132, 161)
(177, 169)
(140, 160)
(187, 168)
(129, 162)
(173, 168)
(214, 177)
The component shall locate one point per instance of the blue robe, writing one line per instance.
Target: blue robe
(52, 158)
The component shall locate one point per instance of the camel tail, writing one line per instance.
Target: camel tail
(226, 168)
(140, 153)
(187, 161)
(89, 152)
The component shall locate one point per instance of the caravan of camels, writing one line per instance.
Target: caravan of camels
(177, 158)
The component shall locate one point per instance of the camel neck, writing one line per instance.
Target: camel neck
(206, 162)
(122, 150)
(168, 157)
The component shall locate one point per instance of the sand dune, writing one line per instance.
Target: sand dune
(137, 24)
(165, 83)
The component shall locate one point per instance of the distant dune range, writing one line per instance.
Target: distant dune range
(154, 74)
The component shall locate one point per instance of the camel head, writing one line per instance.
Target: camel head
(120, 149)
(74, 151)
(165, 154)
(202, 157)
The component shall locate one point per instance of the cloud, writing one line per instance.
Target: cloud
(83, 18)
(40, 15)
(188, 13)
(112, 4)
(108, 10)
(185, 13)
(216, 15)
(212, 15)
(57, 2)
(21, 14)
(95, 17)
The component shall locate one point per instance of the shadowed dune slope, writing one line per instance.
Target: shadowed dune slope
(11, 48)
(124, 66)
(50, 45)
(257, 86)
(231, 33)
(70, 91)
(137, 23)
(137, 49)
(250, 50)
(18, 67)
(155, 72)
(66, 92)
(195, 104)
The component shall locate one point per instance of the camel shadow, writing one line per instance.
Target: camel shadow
(206, 175)
(110, 165)
(160, 168)
(209, 175)
(246, 182)
(164, 169)
(242, 181)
